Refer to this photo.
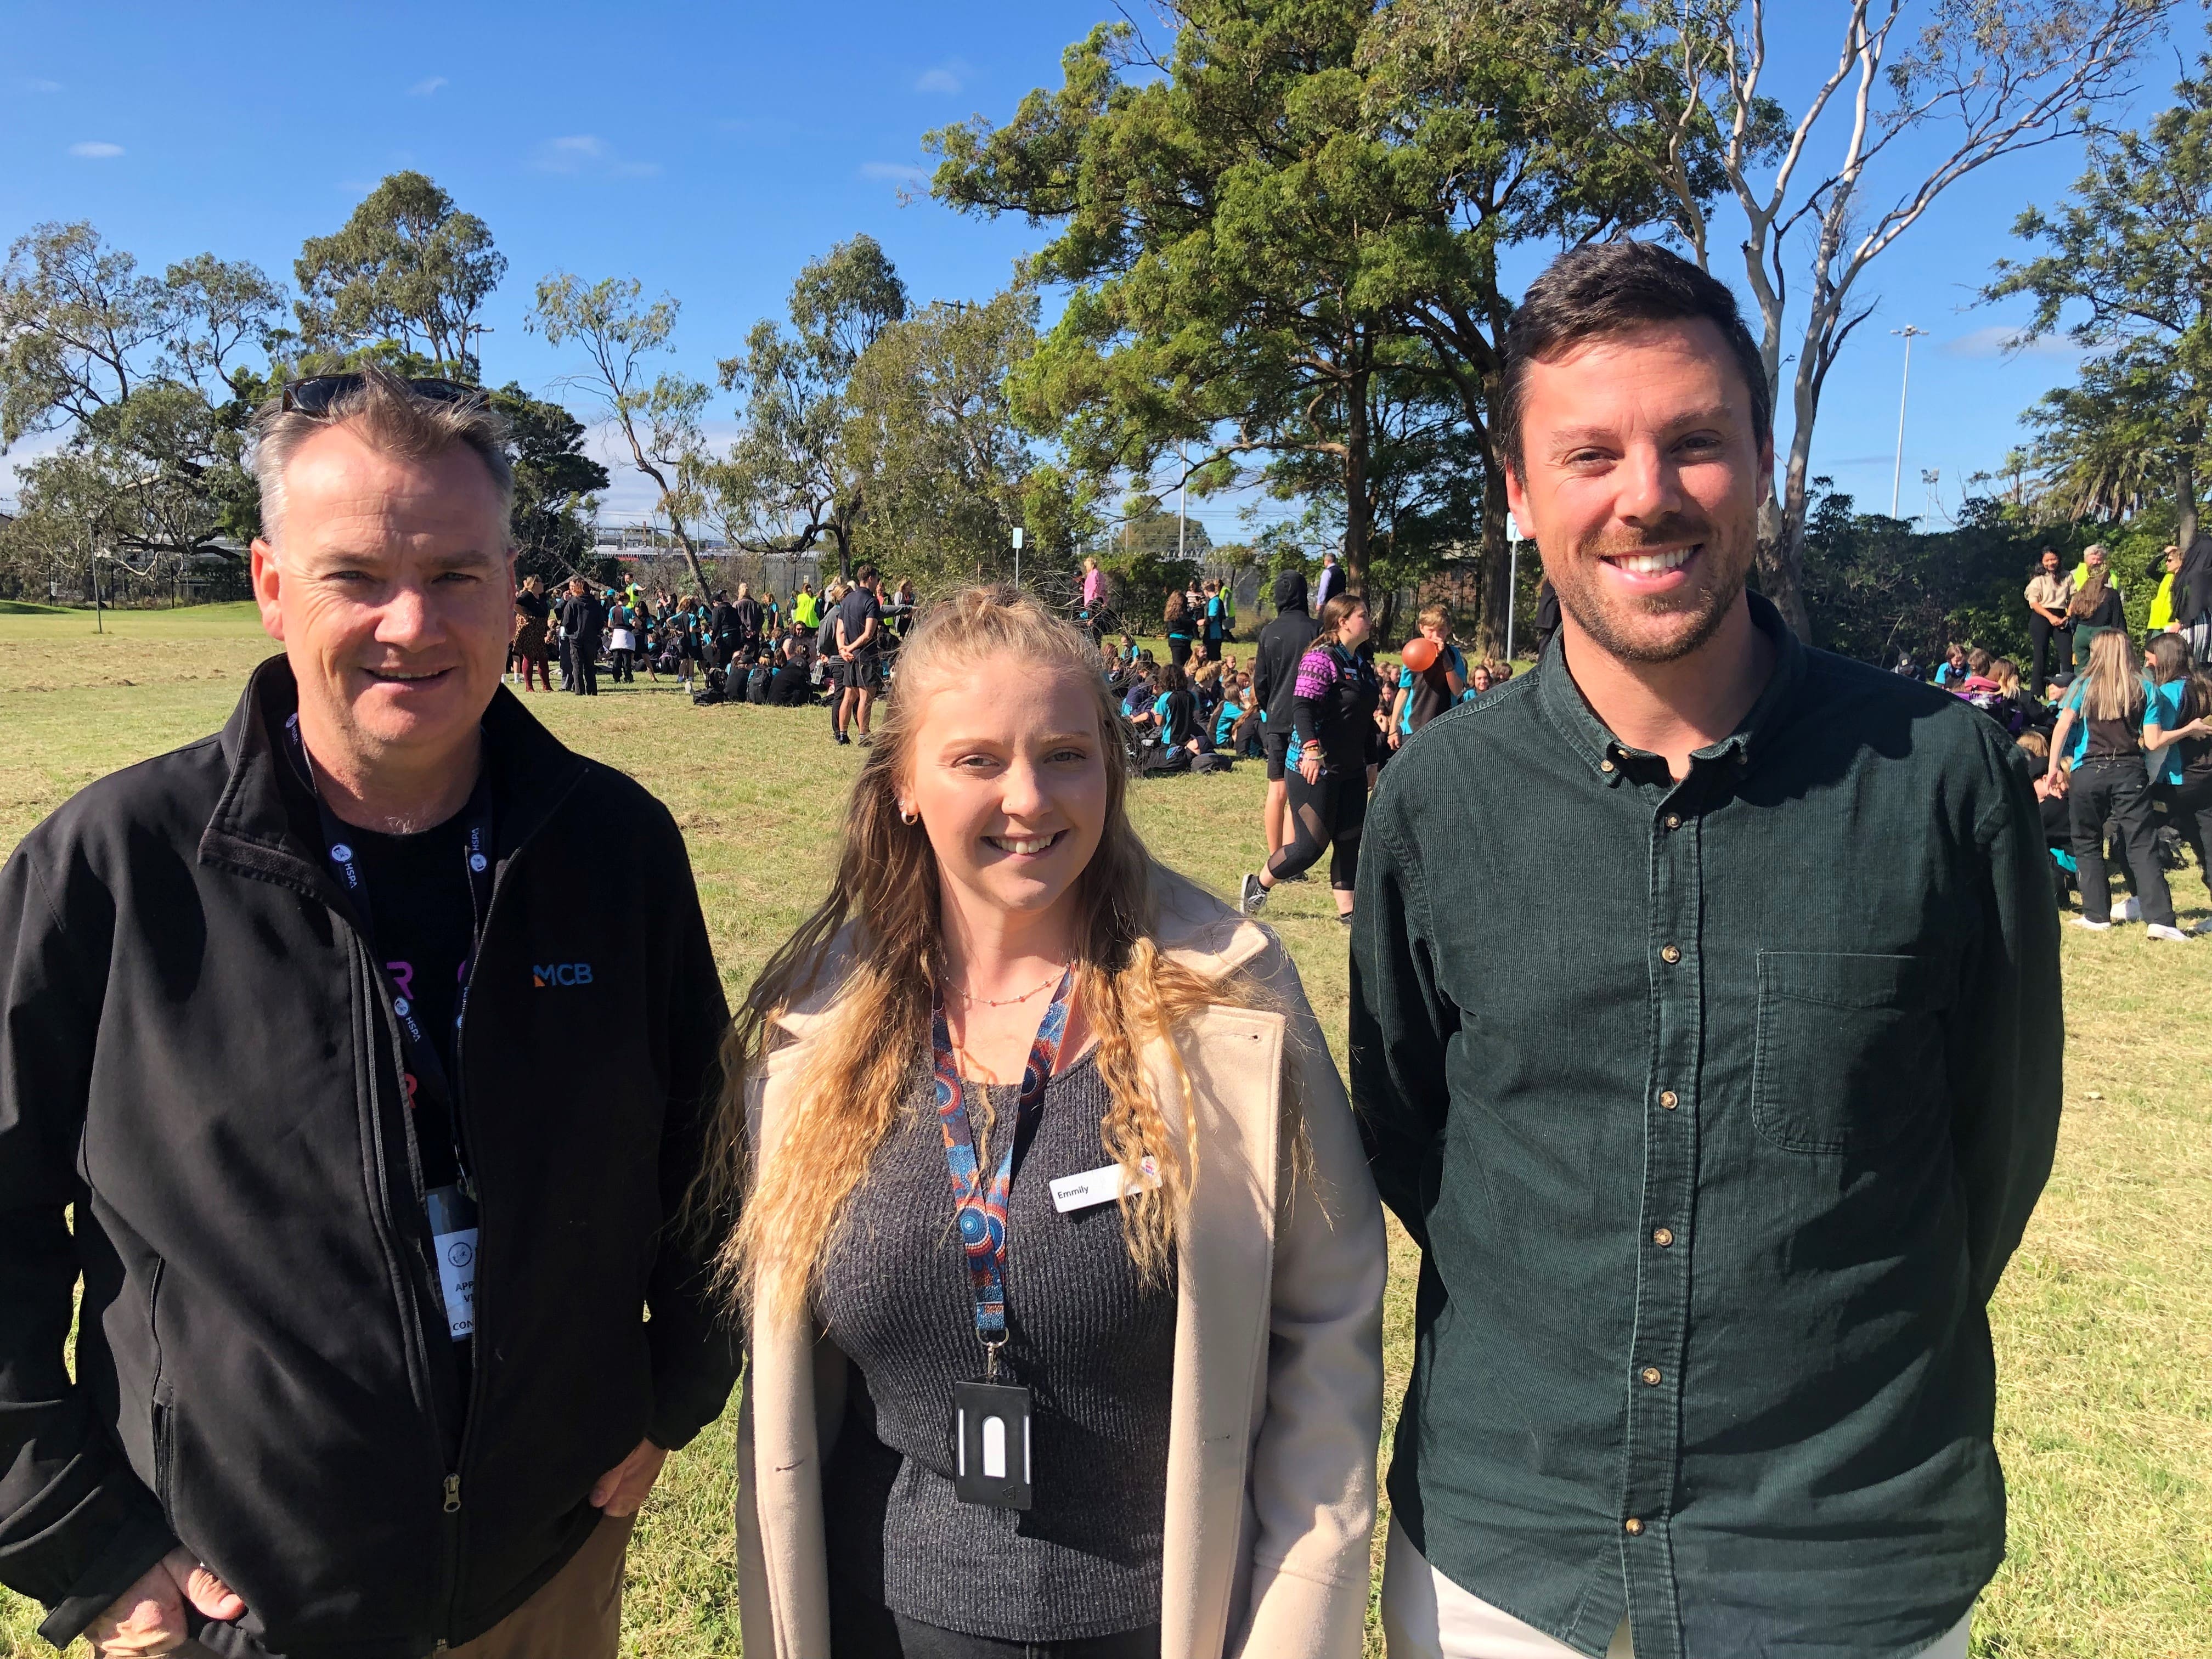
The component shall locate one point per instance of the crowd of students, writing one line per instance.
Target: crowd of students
(2120, 745)
(745, 648)
(1314, 706)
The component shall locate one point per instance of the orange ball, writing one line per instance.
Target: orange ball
(1420, 654)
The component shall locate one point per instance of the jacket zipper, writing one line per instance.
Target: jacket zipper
(402, 1239)
(471, 1409)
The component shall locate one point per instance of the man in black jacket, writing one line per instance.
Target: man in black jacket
(387, 1321)
(1274, 684)
(583, 619)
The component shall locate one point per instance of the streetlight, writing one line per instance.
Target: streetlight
(1909, 332)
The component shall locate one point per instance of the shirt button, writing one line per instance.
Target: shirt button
(1670, 954)
(1668, 1099)
(1651, 1375)
(1632, 1527)
(1662, 1237)
(1673, 820)
(1605, 766)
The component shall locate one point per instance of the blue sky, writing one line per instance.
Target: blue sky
(709, 150)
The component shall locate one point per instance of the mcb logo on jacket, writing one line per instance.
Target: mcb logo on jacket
(560, 973)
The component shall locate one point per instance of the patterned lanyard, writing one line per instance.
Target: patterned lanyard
(980, 1210)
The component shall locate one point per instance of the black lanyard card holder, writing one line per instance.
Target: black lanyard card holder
(991, 1437)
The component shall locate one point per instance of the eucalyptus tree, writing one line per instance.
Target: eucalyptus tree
(2125, 269)
(950, 473)
(1977, 81)
(657, 419)
(82, 329)
(788, 481)
(407, 266)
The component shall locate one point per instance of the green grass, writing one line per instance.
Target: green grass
(2104, 1325)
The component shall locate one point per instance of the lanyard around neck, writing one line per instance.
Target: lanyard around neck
(426, 1070)
(979, 1207)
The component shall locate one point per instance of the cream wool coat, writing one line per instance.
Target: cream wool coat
(1278, 1389)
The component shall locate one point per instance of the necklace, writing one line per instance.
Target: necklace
(1045, 984)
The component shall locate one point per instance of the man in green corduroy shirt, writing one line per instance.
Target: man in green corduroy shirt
(1713, 1182)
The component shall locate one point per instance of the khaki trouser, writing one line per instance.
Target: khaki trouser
(574, 1615)
(1426, 1616)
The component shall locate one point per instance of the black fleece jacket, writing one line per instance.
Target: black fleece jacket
(196, 1053)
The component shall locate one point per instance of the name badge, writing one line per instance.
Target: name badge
(991, 1445)
(1102, 1186)
(453, 1245)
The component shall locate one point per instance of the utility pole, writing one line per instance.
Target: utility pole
(1908, 333)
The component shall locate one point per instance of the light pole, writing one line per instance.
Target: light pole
(1909, 332)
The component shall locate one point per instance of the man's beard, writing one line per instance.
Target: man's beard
(1610, 622)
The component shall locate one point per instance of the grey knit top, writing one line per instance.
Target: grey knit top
(1093, 1344)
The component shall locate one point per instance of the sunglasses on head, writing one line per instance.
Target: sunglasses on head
(315, 395)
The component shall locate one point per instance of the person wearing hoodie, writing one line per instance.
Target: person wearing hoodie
(2192, 598)
(1283, 643)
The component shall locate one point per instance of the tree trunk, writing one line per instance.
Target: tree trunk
(1782, 527)
(690, 553)
(1495, 570)
(1358, 511)
(2185, 499)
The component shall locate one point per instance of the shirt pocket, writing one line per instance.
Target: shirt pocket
(1850, 1052)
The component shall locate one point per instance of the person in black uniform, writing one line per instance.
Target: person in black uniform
(582, 620)
(1334, 709)
(1282, 645)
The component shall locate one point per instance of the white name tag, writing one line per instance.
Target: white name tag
(456, 1278)
(1081, 1192)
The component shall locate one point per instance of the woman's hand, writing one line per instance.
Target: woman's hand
(1309, 766)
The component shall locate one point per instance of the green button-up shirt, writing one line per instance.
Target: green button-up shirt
(1717, 1108)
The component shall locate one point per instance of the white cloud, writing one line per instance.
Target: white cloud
(1998, 341)
(896, 170)
(424, 88)
(96, 150)
(587, 154)
(944, 78)
(34, 83)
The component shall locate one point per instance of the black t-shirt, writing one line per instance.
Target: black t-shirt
(421, 926)
(854, 611)
(532, 606)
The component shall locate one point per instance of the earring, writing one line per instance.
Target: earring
(908, 818)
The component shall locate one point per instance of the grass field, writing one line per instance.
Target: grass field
(2104, 1324)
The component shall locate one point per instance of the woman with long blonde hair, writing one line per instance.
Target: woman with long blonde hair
(1060, 1264)
(2109, 782)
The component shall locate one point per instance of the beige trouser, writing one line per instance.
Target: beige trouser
(574, 1615)
(1426, 1616)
